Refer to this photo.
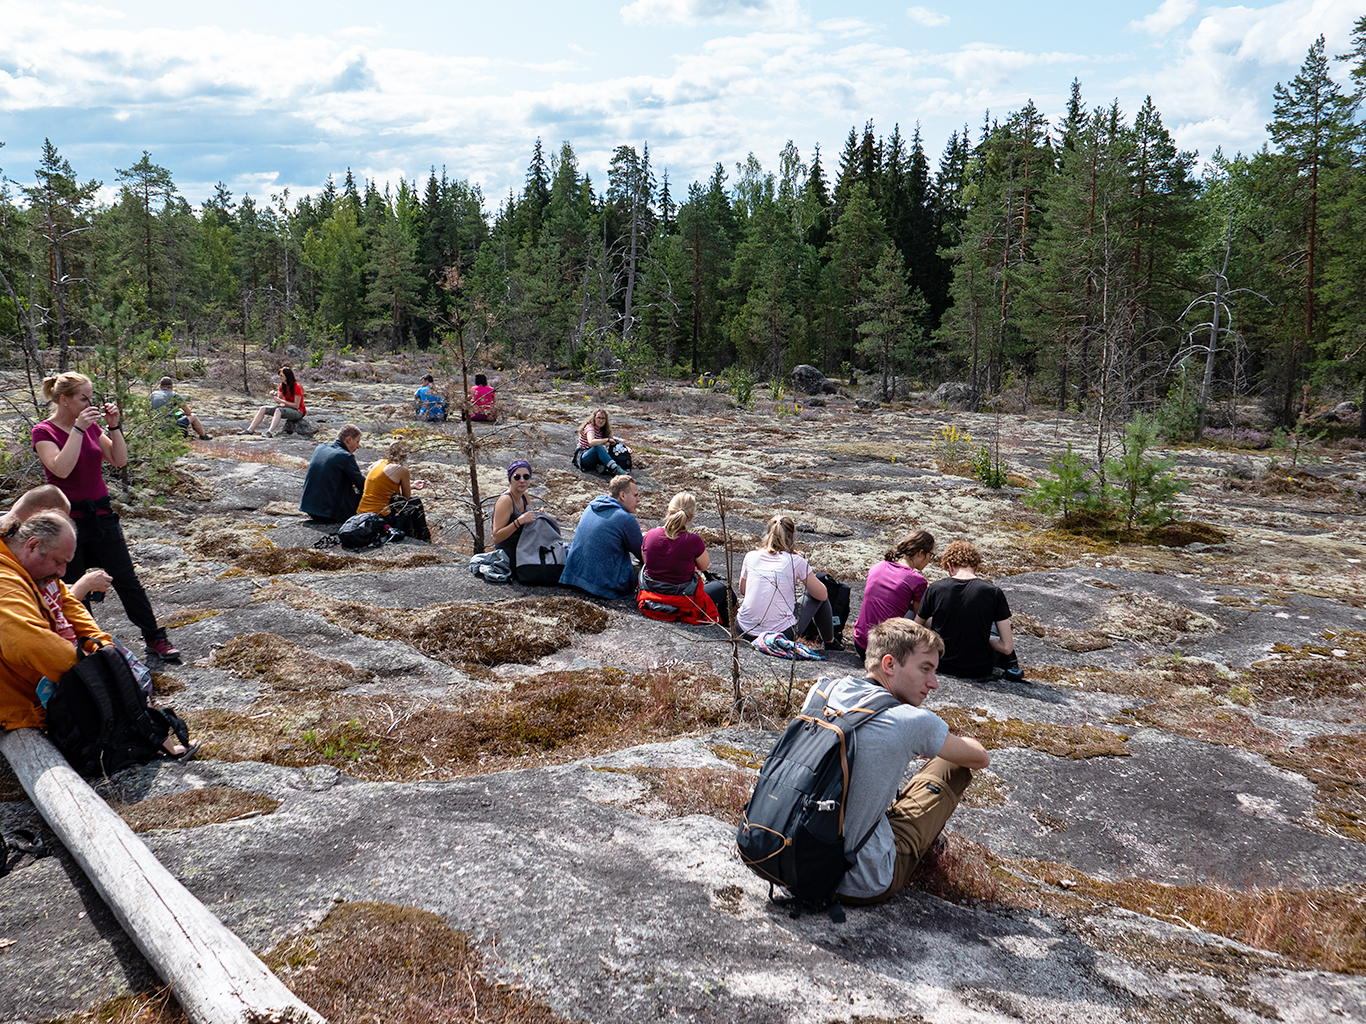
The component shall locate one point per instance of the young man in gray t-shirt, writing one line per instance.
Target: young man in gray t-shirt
(902, 658)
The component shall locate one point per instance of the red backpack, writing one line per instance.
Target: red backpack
(694, 609)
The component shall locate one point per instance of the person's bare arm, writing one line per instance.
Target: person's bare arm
(815, 588)
(1005, 644)
(965, 751)
(703, 560)
(920, 620)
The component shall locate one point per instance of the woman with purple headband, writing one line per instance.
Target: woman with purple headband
(513, 510)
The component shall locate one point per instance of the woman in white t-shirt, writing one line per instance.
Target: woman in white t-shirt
(768, 588)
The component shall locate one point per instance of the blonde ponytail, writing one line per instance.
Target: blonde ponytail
(682, 508)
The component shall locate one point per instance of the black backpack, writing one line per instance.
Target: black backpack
(792, 832)
(839, 607)
(99, 719)
(621, 455)
(366, 530)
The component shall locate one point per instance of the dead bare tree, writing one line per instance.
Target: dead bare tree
(460, 319)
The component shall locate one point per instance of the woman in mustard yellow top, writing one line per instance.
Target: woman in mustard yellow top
(389, 493)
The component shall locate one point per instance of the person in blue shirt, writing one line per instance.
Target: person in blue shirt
(431, 405)
(608, 534)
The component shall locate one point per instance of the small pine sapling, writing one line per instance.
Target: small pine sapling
(1145, 488)
(1070, 489)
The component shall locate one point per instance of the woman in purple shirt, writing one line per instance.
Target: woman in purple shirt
(73, 450)
(895, 585)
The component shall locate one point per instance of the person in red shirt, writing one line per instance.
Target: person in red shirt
(289, 405)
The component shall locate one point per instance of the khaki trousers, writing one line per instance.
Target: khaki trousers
(917, 817)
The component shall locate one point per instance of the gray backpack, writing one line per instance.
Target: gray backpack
(541, 552)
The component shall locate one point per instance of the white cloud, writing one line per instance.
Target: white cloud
(1217, 88)
(699, 12)
(927, 17)
(1169, 15)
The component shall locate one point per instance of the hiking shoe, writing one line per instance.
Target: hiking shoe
(270, 433)
(1015, 674)
(163, 649)
(247, 430)
(834, 645)
(206, 437)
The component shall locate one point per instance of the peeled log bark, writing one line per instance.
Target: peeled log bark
(217, 979)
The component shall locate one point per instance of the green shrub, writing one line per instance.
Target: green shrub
(742, 385)
(988, 469)
(1144, 488)
(1072, 487)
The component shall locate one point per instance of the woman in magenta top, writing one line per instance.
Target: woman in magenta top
(483, 401)
(289, 405)
(895, 585)
(73, 450)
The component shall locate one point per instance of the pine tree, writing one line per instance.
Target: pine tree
(1312, 126)
(61, 205)
(146, 184)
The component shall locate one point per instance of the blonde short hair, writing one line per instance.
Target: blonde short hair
(900, 638)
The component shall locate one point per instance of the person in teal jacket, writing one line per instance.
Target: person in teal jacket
(599, 559)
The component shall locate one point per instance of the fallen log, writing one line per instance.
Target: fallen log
(213, 974)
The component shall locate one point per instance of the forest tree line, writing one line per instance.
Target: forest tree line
(1086, 259)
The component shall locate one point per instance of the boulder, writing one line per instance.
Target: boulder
(955, 393)
(811, 381)
(304, 428)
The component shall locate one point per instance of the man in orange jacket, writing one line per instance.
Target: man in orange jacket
(31, 650)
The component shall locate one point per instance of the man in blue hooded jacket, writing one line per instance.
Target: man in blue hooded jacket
(599, 559)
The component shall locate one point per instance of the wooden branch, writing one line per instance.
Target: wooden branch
(217, 979)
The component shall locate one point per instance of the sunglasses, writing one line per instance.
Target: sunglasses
(521, 476)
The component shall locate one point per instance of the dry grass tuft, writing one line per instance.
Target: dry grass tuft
(367, 963)
(1337, 767)
(675, 792)
(193, 808)
(281, 561)
(1322, 928)
(224, 539)
(550, 718)
(283, 665)
(1070, 741)
(370, 962)
(163, 684)
(185, 616)
(459, 632)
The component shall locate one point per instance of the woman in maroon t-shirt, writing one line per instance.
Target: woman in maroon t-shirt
(670, 554)
(73, 450)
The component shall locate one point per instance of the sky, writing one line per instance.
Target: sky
(266, 95)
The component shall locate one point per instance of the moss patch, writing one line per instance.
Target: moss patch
(193, 808)
(1180, 534)
(1070, 741)
(675, 792)
(283, 665)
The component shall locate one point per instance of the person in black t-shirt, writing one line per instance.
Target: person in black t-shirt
(973, 617)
